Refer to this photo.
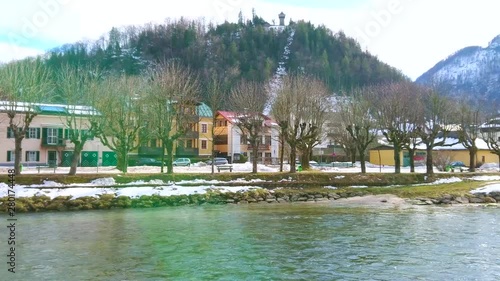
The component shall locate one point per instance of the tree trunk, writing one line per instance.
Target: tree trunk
(169, 145)
(428, 163)
(214, 120)
(472, 158)
(397, 159)
(363, 164)
(255, 151)
(162, 158)
(75, 159)
(353, 155)
(18, 151)
(305, 160)
(293, 155)
(282, 155)
(411, 154)
(122, 159)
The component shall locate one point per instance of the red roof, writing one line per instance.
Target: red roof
(231, 115)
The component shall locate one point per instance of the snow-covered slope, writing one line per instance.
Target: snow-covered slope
(472, 70)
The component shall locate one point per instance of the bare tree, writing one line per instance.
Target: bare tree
(436, 127)
(216, 93)
(79, 87)
(300, 108)
(470, 117)
(393, 109)
(356, 113)
(312, 127)
(119, 102)
(23, 84)
(171, 101)
(248, 100)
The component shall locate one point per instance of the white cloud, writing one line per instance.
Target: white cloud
(10, 52)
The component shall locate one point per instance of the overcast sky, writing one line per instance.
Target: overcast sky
(411, 35)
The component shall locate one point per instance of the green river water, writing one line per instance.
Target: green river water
(259, 242)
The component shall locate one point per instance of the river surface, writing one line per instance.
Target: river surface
(259, 242)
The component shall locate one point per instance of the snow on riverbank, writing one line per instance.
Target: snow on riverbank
(132, 190)
(158, 187)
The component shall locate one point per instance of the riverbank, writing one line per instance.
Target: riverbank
(148, 191)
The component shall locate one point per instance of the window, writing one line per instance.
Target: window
(32, 156)
(189, 144)
(87, 134)
(268, 140)
(11, 156)
(52, 136)
(10, 133)
(203, 144)
(33, 133)
(204, 128)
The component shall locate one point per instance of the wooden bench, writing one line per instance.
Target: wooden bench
(225, 167)
(48, 166)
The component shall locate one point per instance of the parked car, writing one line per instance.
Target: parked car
(218, 161)
(457, 165)
(182, 162)
(147, 162)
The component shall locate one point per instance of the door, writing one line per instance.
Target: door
(109, 158)
(52, 157)
(89, 158)
(67, 156)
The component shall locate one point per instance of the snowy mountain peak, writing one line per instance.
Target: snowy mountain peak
(495, 43)
(473, 70)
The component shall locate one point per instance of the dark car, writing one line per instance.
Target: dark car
(147, 162)
(218, 161)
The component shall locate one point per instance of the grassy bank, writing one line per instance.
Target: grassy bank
(274, 179)
(308, 192)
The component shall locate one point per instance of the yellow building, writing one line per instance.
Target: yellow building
(384, 154)
(196, 142)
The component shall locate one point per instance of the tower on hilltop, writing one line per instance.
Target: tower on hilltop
(282, 19)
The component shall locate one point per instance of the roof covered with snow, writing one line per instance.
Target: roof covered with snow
(48, 109)
(450, 144)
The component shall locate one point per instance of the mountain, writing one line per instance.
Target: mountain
(473, 71)
(251, 49)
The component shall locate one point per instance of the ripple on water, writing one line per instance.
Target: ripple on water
(281, 242)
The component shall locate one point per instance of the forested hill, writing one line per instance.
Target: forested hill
(249, 50)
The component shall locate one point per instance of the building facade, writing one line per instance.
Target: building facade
(47, 139)
(197, 142)
(232, 144)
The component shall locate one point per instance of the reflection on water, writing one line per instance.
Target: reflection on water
(261, 242)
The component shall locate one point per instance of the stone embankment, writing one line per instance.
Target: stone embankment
(477, 198)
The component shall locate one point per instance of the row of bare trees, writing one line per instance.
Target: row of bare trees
(411, 116)
(159, 105)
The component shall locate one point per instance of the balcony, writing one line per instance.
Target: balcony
(149, 151)
(48, 143)
(262, 147)
(186, 151)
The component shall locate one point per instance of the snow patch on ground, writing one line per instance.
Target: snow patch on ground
(487, 189)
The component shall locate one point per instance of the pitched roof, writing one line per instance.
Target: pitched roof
(203, 110)
(48, 109)
(232, 116)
